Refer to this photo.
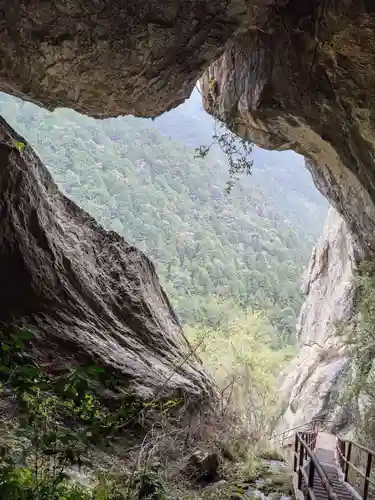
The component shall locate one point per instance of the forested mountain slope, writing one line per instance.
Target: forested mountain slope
(282, 177)
(215, 253)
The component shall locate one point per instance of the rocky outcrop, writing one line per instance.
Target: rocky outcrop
(301, 75)
(110, 58)
(87, 295)
(313, 381)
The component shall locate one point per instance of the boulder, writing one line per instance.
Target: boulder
(87, 295)
(203, 466)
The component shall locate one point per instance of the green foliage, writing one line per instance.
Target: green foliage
(19, 145)
(236, 150)
(211, 84)
(253, 478)
(202, 151)
(150, 485)
(244, 363)
(25, 483)
(59, 418)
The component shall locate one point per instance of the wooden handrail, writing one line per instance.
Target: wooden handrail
(302, 451)
(360, 446)
(293, 429)
(304, 455)
(344, 450)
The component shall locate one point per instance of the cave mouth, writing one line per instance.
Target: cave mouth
(216, 254)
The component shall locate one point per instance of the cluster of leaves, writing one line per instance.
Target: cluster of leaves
(210, 249)
(236, 150)
(59, 418)
(74, 393)
(19, 145)
(150, 485)
(242, 358)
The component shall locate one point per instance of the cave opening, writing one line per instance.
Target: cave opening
(217, 254)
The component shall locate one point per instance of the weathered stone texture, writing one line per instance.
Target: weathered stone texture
(302, 76)
(311, 384)
(111, 57)
(87, 295)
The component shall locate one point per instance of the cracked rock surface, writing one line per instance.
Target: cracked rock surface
(111, 57)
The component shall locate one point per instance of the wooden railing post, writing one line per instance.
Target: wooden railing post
(302, 445)
(300, 465)
(295, 452)
(368, 472)
(340, 449)
(311, 479)
(347, 457)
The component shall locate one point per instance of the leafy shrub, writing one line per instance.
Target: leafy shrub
(237, 151)
(244, 364)
(59, 418)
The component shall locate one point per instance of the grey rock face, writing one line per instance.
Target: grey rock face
(86, 294)
(301, 75)
(109, 58)
(311, 382)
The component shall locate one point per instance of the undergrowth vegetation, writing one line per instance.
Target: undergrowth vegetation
(57, 420)
(245, 362)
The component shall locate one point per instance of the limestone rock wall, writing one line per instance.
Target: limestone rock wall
(110, 58)
(310, 385)
(301, 75)
(87, 295)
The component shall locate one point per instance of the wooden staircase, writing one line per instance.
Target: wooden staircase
(328, 467)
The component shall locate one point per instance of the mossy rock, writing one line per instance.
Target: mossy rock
(271, 454)
(278, 483)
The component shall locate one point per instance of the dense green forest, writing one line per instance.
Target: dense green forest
(286, 185)
(217, 254)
